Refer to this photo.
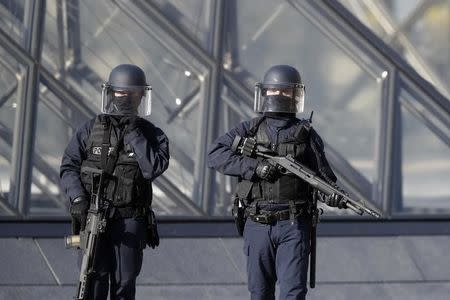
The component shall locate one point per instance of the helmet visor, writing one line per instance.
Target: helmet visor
(279, 98)
(127, 101)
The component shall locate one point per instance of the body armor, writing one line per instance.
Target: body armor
(287, 188)
(125, 185)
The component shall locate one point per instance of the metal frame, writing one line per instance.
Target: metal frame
(23, 140)
(73, 29)
(208, 125)
(340, 27)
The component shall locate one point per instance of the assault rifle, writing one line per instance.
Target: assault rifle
(88, 238)
(289, 166)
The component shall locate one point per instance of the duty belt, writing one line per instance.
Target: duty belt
(129, 212)
(270, 217)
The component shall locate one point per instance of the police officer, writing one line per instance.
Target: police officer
(142, 155)
(277, 226)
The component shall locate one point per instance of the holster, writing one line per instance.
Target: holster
(239, 205)
(152, 236)
(239, 214)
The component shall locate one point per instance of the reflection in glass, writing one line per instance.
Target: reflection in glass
(425, 166)
(12, 19)
(45, 198)
(10, 75)
(5, 171)
(430, 34)
(52, 135)
(193, 16)
(418, 30)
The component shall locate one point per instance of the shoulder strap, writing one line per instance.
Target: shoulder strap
(256, 122)
(109, 159)
(302, 132)
(114, 155)
(262, 136)
(106, 126)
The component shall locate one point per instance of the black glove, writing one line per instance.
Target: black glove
(152, 236)
(78, 211)
(267, 171)
(335, 200)
(134, 123)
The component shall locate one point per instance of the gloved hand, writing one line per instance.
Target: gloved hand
(152, 236)
(266, 171)
(78, 211)
(134, 123)
(335, 200)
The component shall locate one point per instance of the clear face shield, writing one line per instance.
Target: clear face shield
(127, 101)
(279, 98)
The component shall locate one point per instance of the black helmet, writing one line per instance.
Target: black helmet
(126, 92)
(281, 91)
(124, 76)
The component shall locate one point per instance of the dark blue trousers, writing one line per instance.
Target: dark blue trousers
(277, 252)
(119, 259)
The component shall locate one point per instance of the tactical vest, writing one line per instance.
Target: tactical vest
(125, 186)
(288, 187)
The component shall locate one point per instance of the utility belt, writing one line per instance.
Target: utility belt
(129, 212)
(260, 215)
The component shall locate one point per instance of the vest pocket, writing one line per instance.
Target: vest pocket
(121, 191)
(122, 187)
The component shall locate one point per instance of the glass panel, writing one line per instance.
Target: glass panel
(52, 135)
(50, 46)
(401, 9)
(425, 164)
(5, 171)
(365, 14)
(46, 199)
(10, 75)
(430, 34)
(345, 98)
(366, 10)
(193, 16)
(419, 30)
(12, 19)
(164, 205)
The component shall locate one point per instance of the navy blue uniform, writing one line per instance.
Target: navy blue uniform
(277, 251)
(122, 244)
